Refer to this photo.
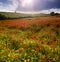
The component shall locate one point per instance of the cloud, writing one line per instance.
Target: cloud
(50, 10)
(42, 6)
(16, 5)
(8, 7)
(49, 0)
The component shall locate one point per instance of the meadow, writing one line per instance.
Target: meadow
(30, 40)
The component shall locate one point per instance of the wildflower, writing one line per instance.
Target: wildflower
(40, 60)
(49, 60)
(41, 41)
(41, 48)
(35, 49)
(32, 37)
(45, 56)
(53, 46)
(9, 51)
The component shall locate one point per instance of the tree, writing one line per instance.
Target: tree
(56, 13)
(52, 13)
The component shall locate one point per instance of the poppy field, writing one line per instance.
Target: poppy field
(30, 40)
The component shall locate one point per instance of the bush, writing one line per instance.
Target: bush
(52, 13)
(2, 17)
(56, 13)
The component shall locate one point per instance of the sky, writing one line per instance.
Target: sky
(30, 6)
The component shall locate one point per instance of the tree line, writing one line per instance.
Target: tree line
(3, 17)
(53, 14)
